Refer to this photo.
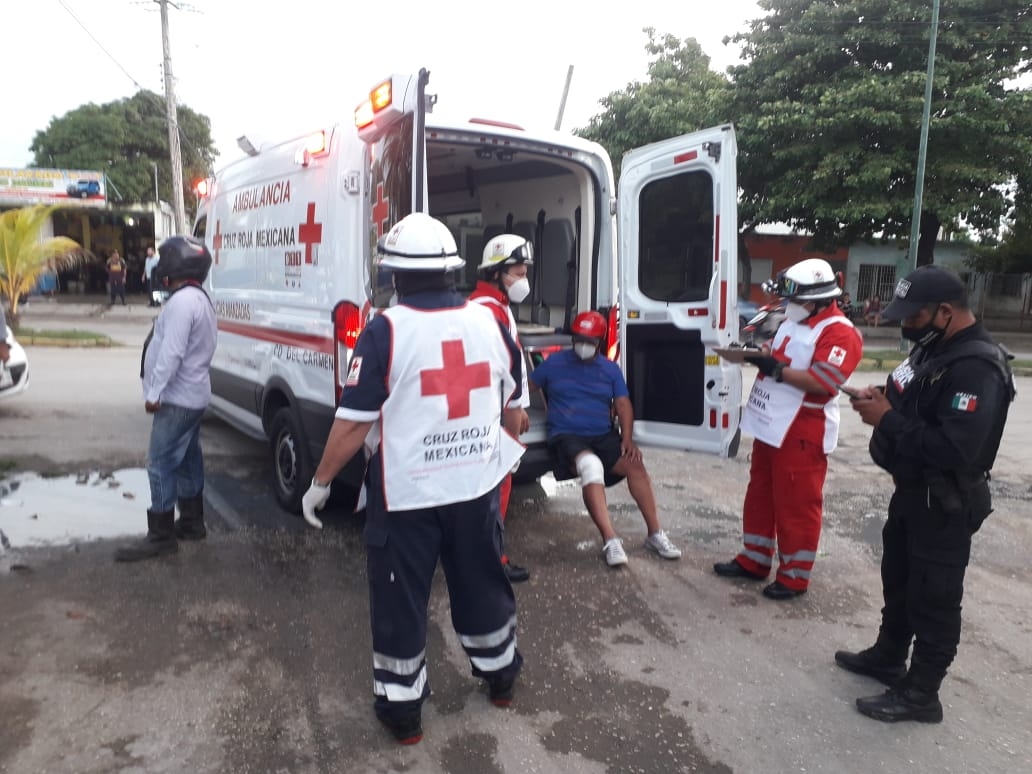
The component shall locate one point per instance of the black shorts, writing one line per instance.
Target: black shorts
(566, 448)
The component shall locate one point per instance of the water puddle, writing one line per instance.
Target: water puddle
(37, 511)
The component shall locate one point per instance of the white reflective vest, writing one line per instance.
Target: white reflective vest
(441, 437)
(773, 406)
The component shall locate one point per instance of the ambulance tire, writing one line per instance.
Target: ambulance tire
(292, 467)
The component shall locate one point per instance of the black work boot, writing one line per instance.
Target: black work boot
(160, 540)
(405, 727)
(904, 702)
(885, 664)
(190, 524)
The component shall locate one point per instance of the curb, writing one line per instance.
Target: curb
(44, 341)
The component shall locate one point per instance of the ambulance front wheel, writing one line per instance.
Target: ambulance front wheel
(291, 461)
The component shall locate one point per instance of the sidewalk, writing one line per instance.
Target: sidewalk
(78, 306)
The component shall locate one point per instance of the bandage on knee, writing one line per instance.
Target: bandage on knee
(590, 470)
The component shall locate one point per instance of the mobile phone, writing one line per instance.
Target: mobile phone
(850, 391)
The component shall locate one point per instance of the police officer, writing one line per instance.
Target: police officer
(426, 389)
(176, 391)
(937, 427)
(501, 278)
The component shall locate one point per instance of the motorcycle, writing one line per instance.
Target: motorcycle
(762, 326)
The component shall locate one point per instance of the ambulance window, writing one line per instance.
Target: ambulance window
(200, 226)
(676, 237)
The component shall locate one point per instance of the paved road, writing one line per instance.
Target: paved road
(250, 652)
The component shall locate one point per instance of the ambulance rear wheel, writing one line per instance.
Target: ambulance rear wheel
(291, 463)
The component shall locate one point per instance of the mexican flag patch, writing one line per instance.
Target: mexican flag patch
(963, 401)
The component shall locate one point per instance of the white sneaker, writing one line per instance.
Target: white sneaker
(659, 543)
(614, 552)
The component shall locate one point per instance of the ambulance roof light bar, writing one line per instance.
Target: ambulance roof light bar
(387, 102)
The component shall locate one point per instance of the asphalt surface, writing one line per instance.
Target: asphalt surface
(250, 652)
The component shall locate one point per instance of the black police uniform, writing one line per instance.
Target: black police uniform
(950, 404)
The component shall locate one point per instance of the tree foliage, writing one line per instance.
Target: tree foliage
(124, 139)
(24, 255)
(828, 108)
(682, 94)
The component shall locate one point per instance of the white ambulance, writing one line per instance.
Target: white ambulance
(292, 229)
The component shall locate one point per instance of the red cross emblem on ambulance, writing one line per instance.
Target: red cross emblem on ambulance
(309, 233)
(456, 379)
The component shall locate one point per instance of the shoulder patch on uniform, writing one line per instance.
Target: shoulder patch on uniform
(353, 371)
(964, 401)
(837, 356)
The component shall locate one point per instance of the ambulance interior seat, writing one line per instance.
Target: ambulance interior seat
(553, 272)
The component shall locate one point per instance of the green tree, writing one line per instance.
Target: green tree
(682, 94)
(25, 255)
(828, 109)
(1013, 254)
(124, 139)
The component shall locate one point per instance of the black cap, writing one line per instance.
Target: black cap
(924, 286)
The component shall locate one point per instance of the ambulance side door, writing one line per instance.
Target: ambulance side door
(678, 237)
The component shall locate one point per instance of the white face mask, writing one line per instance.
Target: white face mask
(519, 290)
(796, 312)
(584, 350)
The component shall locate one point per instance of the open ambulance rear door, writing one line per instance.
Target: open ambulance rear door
(678, 240)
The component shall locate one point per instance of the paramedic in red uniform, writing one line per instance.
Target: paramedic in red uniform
(426, 389)
(502, 277)
(793, 415)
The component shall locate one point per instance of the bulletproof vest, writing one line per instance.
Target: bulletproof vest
(995, 354)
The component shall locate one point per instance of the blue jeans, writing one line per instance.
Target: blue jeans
(175, 465)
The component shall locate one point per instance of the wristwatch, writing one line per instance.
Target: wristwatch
(778, 369)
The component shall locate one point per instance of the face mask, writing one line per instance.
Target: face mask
(584, 350)
(796, 312)
(927, 335)
(519, 290)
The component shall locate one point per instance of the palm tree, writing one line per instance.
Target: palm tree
(25, 255)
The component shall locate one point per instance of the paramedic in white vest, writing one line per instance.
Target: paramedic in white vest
(793, 415)
(427, 387)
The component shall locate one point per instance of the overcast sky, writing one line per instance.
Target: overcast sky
(275, 69)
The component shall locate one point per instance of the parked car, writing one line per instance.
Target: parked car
(14, 374)
(83, 189)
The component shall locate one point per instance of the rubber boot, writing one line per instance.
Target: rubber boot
(190, 524)
(160, 540)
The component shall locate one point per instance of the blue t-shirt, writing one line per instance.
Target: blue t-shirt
(579, 393)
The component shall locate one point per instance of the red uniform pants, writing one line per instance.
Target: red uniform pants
(783, 505)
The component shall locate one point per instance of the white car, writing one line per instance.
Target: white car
(14, 374)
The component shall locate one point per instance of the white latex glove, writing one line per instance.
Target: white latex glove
(314, 500)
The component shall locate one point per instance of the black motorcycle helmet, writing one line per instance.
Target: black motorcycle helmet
(182, 257)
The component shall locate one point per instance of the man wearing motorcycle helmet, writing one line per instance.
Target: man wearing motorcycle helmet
(582, 389)
(176, 390)
(793, 415)
(501, 279)
(427, 386)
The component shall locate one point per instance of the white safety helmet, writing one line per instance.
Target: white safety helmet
(506, 250)
(809, 280)
(418, 242)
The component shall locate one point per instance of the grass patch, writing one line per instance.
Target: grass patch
(890, 358)
(68, 336)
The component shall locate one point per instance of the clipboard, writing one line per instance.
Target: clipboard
(737, 354)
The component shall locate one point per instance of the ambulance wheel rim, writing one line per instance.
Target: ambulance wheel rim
(286, 462)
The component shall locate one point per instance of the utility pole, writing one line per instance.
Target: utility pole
(175, 152)
(922, 152)
(562, 102)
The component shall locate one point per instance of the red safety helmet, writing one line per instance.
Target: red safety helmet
(589, 325)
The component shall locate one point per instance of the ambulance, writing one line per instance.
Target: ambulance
(292, 229)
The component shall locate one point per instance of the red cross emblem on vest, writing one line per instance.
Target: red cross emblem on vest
(456, 379)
